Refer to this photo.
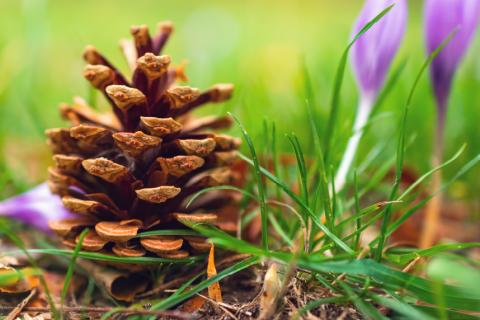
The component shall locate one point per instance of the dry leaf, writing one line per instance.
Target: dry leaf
(194, 304)
(123, 286)
(271, 288)
(214, 290)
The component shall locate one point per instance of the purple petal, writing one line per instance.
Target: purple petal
(35, 207)
(441, 18)
(374, 51)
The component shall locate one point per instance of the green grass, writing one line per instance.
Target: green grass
(285, 63)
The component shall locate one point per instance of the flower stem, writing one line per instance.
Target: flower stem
(433, 208)
(363, 113)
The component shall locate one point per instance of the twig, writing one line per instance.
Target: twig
(221, 305)
(18, 309)
(173, 314)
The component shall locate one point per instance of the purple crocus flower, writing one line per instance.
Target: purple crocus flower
(372, 55)
(374, 51)
(35, 207)
(442, 17)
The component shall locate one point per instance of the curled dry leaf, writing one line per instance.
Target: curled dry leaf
(122, 286)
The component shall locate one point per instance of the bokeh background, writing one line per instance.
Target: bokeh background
(260, 46)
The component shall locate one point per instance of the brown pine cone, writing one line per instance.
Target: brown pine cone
(133, 169)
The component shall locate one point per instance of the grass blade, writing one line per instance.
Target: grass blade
(260, 186)
(369, 311)
(358, 220)
(105, 257)
(71, 268)
(401, 307)
(403, 258)
(300, 202)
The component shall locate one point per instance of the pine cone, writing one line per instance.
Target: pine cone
(131, 170)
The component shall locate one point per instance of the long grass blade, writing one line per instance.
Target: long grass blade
(406, 257)
(70, 270)
(105, 257)
(260, 185)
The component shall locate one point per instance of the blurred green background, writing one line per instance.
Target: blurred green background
(260, 46)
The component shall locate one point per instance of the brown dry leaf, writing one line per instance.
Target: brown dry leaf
(123, 286)
(214, 291)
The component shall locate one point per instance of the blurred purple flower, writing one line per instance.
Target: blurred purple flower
(374, 51)
(372, 55)
(442, 17)
(35, 207)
